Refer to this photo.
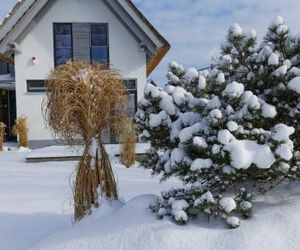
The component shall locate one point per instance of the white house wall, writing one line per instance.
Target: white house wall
(124, 54)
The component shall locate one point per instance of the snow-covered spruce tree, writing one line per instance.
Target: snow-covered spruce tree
(270, 71)
(215, 143)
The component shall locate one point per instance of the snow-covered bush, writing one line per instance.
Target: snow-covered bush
(218, 134)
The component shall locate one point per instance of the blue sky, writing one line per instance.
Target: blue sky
(196, 28)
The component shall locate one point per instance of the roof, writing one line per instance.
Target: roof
(13, 10)
(156, 59)
(8, 25)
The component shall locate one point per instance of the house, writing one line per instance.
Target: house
(40, 34)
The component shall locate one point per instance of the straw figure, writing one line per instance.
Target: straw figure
(20, 130)
(84, 100)
(2, 134)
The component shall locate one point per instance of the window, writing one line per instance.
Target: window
(63, 48)
(36, 85)
(99, 43)
(81, 41)
(132, 96)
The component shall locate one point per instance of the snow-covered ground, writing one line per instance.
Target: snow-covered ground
(36, 212)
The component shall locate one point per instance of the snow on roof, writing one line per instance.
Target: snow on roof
(6, 78)
(7, 82)
(12, 11)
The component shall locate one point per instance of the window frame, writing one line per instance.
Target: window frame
(54, 42)
(108, 43)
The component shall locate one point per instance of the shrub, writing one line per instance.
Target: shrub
(128, 148)
(2, 134)
(20, 129)
(83, 101)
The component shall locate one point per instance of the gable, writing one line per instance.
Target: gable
(145, 34)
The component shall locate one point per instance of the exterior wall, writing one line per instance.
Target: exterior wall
(37, 41)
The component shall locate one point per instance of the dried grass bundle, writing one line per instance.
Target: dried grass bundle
(128, 148)
(2, 135)
(20, 130)
(83, 101)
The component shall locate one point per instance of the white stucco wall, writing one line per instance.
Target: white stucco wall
(37, 41)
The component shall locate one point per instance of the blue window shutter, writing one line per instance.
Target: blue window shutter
(81, 41)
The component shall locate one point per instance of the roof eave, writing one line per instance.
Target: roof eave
(157, 58)
(162, 51)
